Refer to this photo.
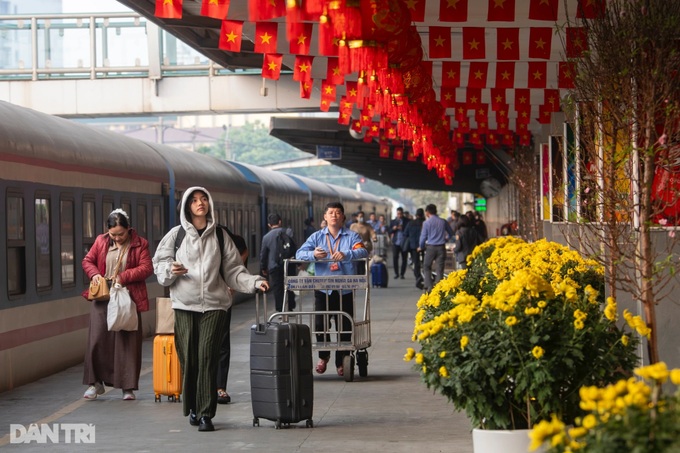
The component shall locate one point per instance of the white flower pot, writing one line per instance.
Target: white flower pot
(495, 441)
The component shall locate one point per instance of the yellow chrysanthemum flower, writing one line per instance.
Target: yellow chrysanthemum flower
(443, 372)
(419, 358)
(625, 340)
(675, 376)
(537, 352)
(511, 321)
(442, 354)
(656, 372)
(410, 353)
(464, 340)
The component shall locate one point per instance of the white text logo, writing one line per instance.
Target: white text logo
(69, 433)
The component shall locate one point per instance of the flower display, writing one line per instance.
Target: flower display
(629, 415)
(512, 339)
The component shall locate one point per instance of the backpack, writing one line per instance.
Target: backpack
(220, 239)
(285, 247)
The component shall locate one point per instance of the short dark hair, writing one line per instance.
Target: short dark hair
(432, 209)
(420, 212)
(335, 205)
(273, 219)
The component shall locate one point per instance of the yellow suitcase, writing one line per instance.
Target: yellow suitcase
(167, 375)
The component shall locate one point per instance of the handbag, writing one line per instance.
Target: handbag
(165, 316)
(99, 290)
(121, 312)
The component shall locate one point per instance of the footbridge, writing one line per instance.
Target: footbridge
(119, 64)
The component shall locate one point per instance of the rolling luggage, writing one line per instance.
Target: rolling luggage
(167, 375)
(281, 381)
(379, 275)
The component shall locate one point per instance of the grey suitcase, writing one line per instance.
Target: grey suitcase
(281, 380)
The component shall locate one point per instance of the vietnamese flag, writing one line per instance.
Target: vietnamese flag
(498, 98)
(411, 155)
(480, 157)
(522, 98)
(491, 139)
(328, 43)
(168, 9)
(266, 34)
(300, 38)
(507, 43)
(440, 42)
(302, 71)
(271, 66)
(540, 41)
(453, 10)
(544, 114)
(474, 45)
(477, 74)
(508, 138)
(543, 10)
(417, 10)
(306, 88)
(333, 73)
(482, 113)
(551, 100)
(216, 9)
(523, 114)
(230, 35)
(448, 97)
(328, 91)
(590, 9)
(351, 90)
(460, 111)
(505, 74)
(502, 121)
(566, 72)
(577, 41)
(501, 11)
(398, 153)
(467, 156)
(537, 75)
(473, 98)
(451, 74)
(384, 150)
(266, 9)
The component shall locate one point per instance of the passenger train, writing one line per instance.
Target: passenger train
(59, 181)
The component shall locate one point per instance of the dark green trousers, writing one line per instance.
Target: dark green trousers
(198, 337)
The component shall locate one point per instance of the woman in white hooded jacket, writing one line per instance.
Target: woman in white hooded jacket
(199, 276)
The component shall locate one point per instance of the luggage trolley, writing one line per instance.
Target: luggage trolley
(360, 322)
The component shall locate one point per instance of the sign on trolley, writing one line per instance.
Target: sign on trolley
(330, 283)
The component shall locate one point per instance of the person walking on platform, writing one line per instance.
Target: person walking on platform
(272, 260)
(309, 227)
(199, 275)
(396, 230)
(367, 234)
(467, 239)
(341, 245)
(411, 241)
(433, 237)
(115, 358)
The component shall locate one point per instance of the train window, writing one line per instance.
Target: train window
(67, 240)
(223, 216)
(231, 220)
(43, 243)
(16, 245)
(156, 223)
(107, 207)
(126, 206)
(141, 220)
(88, 220)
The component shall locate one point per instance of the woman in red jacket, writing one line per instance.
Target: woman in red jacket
(115, 358)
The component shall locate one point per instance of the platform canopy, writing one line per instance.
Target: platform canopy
(441, 87)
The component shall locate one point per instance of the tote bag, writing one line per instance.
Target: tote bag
(122, 312)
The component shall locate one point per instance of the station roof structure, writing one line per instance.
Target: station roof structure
(509, 52)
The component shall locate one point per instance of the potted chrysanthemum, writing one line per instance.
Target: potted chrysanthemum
(513, 338)
(633, 415)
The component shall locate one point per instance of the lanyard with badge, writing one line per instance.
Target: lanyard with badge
(334, 266)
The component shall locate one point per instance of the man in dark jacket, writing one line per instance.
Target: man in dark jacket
(396, 232)
(411, 238)
(271, 265)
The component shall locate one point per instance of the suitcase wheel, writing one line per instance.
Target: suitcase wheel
(256, 421)
(309, 423)
(277, 424)
(157, 398)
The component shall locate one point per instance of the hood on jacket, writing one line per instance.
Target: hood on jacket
(185, 211)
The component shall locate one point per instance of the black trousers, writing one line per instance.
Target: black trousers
(322, 322)
(398, 251)
(275, 279)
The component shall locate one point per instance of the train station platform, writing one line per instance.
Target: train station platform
(389, 410)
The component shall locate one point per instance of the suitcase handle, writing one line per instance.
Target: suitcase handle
(260, 326)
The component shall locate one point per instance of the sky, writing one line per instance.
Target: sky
(90, 6)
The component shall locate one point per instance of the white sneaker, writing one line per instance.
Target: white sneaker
(129, 395)
(94, 390)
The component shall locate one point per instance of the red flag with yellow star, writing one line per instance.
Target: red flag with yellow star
(505, 74)
(271, 66)
(384, 150)
(303, 68)
(543, 10)
(451, 74)
(266, 9)
(216, 9)
(230, 35)
(300, 38)
(266, 35)
(473, 98)
(537, 76)
(551, 100)
(577, 42)
(501, 11)
(540, 42)
(448, 97)
(498, 98)
(333, 73)
(440, 42)
(306, 88)
(507, 43)
(566, 71)
(590, 9)
(453, 10)
(168, 9)
(474, 44)
(477, 75)
(417, 10)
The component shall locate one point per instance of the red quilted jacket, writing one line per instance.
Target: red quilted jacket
(138, 267)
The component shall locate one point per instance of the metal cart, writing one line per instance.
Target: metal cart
(327, 339)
